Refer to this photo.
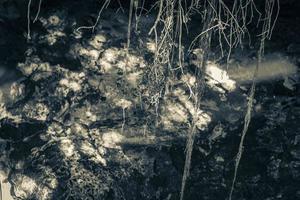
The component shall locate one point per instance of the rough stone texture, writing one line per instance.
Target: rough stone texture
(80, 123)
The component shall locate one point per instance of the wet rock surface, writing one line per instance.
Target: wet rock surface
(78, 122)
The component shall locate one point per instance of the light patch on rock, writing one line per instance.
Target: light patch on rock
(134, 78)
(79, 130)
(99, 159)
(97, 41)
(105, 66)
(54, 129)
(37, 69)
(134, 61)
(151, 46)
(53, 36)
(188, 79)
(174, 112)
(289, 84)
(217, 132)
(185, 101)
(90, 53)
(87, 148)
(67, 147)
(219, 159)
(54, 20)
(24, 187)
(45, 193)
(5, 187)
(39, 111)
(51, 183)
(71, 81)
(110, 55)
(6, 114)
(17, 90)
(218, 76)
(3, 112)
(27, 69)
(112, 139)
(123, 103)
(121, 65)
(91, 116)
(179, 112)
(64, 82)
(74, 86)
(203, 120)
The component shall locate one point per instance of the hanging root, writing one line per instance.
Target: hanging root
(164, 46)
(267, 27)
(38, 11)
(205, 41)
(28, 20)
(188, 156)
(129, 23)
(158, 17)
(245, 129)
(104, 6)
(28, 17)
(124, 119)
